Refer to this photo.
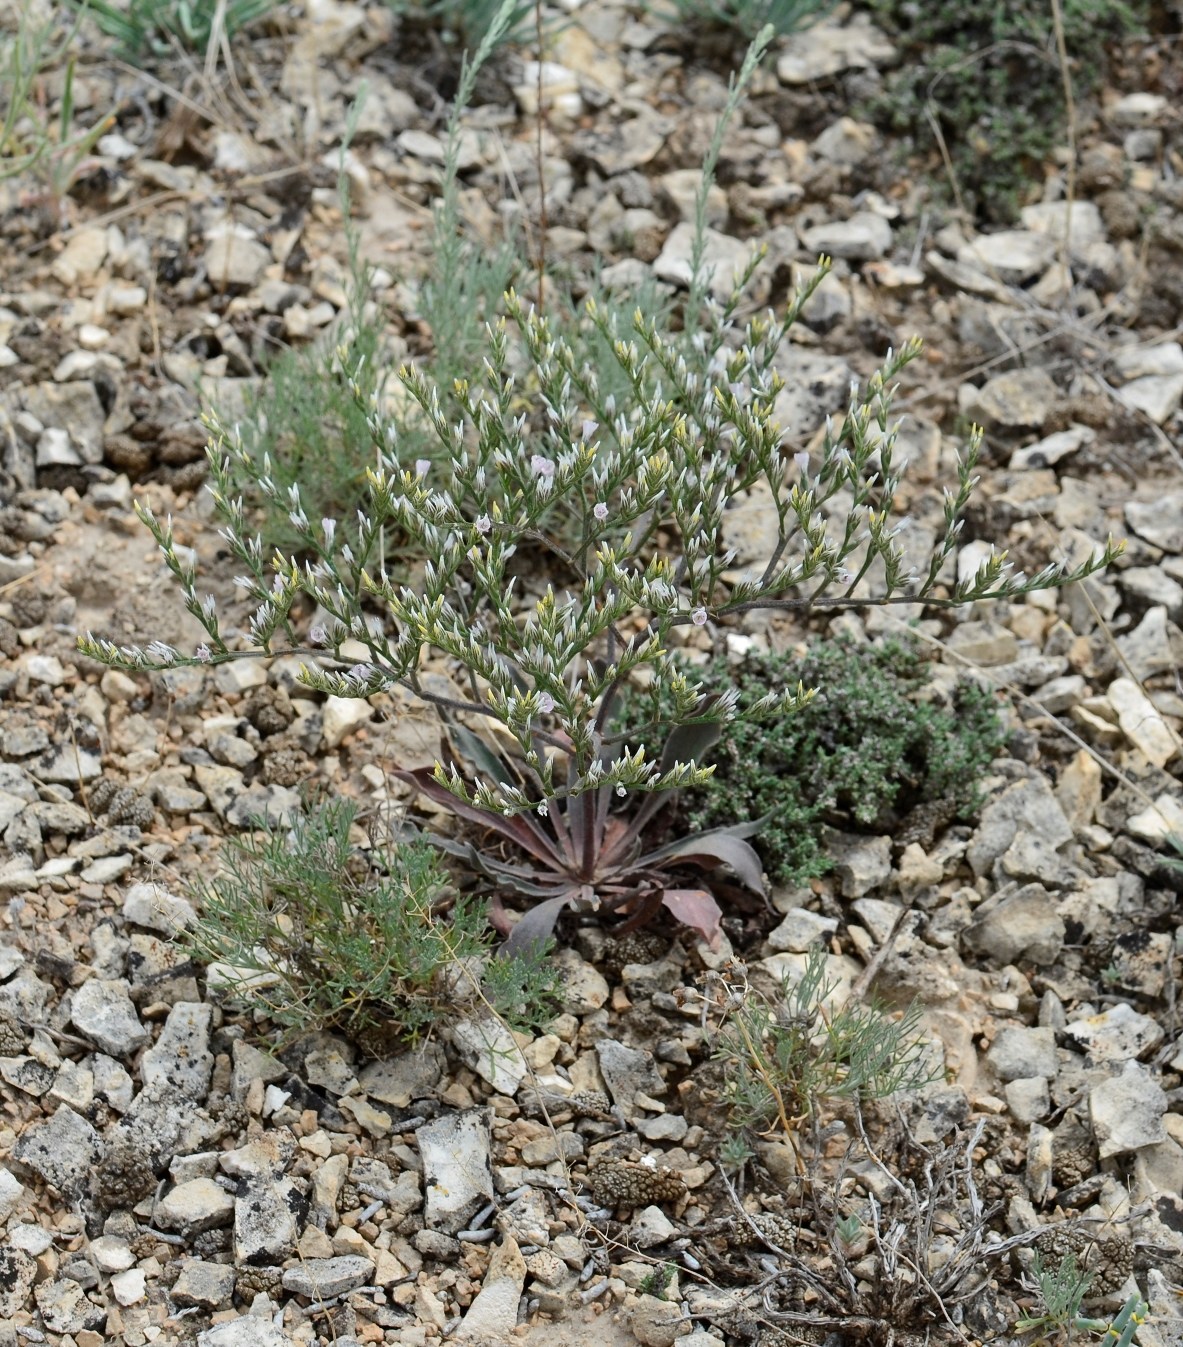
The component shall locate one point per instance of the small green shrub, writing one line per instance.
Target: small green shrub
(784, 1057)
(314, 933)
(862, 753)
(29, 141)
(1060, 1291)
(990, 77)
(144, 26)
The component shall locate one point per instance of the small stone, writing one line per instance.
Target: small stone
(724, 260)
(985, 643)
(800, 929)
(865, 237)
(493, 1314)
(322, 1278)
(152, 906)
(1050, 450)
(1028, 1098)
(341, 716)
(1017, 400)
(1135, 362)
(63, 1150)
(181, 1057)
(487, 1047)
(245, 1331)
(233, 256)
(1142, 960)
(656, 1322)
(1159, 521)
(1013, 256)
(17, 1271)
(861, 863)
(65, 1308)
(102, 1010)
(1078, 790)
(1139, 109)
(190, 1208)
(1157, 395)
(111, 1254)
(829, 47)
(1019, 926)
(457, 1174)
(628, 1072)
(265, 1226)
(1020, 1052)
(11, 1192)
(650, 1227)
(1158, 823)
(1127, 1111)
(130, 1287)
(206, 1285)
(1118, 1034)
(1140, 722)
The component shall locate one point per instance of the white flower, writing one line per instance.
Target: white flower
(620, 790)
(588, 429)
(844, 576)
(208, 605)
(801, 458)
(546, 703)
(482, 524)
(330, 528)
(541, 467)
(160, 650)
(422, 467)
(699, 617)
(318, 635)
(542, 809)
(600, 510)
(360, 673)
(203, 653)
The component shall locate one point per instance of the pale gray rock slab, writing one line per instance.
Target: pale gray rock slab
(69, 766)
(11, 1192)
(827, 48)
(800, 929)
(487, 1047)
(251, 1063)
(73, 407)
(816, 386)
(247, 1331)
(1156, 395)
(865, 237)
(457, 1173)
(17, 1272)
(1141, 722)
(234, 256)
(181, 1056)
(1159, 521)
(724, 260)
(1052, 448)
(1030, 805)
(399, 1080)
(650, 1227)
(1028, 1098)
(861, 863)
(265, 1225)
(1118, 1034)
(628, 1072)
(152, 906)
(1022, 925)
(321, 1278)
(1078, 221)
(1127, 1111)
(1012, 256)
(101, 1009)
(1136, 362)
(1020, 1052)
(493, 1314)
(1154, 646)
(1151, 585)
(63, 1150)
(197, 1205)
(65, 1307)
(1017, 400)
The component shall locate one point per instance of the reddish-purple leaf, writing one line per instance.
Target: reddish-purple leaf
(695, 908)
(515, 828)
(714, 848)
(537, 926)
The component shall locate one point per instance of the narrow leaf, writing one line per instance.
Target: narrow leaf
(695, 908)
(714, 848)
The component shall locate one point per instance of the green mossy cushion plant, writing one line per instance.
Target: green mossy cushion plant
(865, 751)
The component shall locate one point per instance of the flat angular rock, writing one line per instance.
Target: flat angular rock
(1140, 722)
(64, 1307)
(17, 1271)
(724, 260)
(1028, 804)
(865, 237)
(1019, 1052)
(487, 1047)
(493, 1314)
(457, 1176)
(321, 1278)
(1159, 521)
(102, 1010)
(233, 256)
(152, 905)
(265, 1224)
(190, 1208)
(1135, 362)
(861, 863)
(1013, 256)
(1017, 400)
(181, 1057)
(63, 1150)
(827, 48)
(1118, 1034)
(628, 1072)
(246, 1331)
(1126, 1111)
(1157, 395)
(1023, 925)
